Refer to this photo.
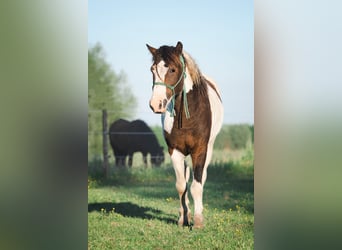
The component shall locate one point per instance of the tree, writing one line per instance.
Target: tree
(235, 136)
(106, 90)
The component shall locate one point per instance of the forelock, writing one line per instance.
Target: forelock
(166, 53)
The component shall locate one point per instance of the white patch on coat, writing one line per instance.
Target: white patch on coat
(216, 124)
(167, 121)
(217, 111)
(188, 81)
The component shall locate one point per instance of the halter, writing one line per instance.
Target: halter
(172, 87)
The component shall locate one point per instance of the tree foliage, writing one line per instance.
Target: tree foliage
(234, 136)
(106, 90)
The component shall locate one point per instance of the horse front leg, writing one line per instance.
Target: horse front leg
(200, 162)
(182, 177)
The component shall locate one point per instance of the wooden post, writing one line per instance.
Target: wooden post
(105, 143)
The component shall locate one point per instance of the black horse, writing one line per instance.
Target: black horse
(126, 138)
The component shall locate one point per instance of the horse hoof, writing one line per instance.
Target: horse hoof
(198, 221)
(184, 221)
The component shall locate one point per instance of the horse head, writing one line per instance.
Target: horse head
(168, 71)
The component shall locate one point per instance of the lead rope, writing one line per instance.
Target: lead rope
(185, 100)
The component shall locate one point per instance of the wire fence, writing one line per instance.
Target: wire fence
(99, 139)
(104, 135)
(141, 111)
(247, 116)
(120, 133)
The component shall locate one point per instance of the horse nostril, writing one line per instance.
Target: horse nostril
(160, 105)
(164, 103)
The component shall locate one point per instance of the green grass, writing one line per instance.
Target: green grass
(138, 209)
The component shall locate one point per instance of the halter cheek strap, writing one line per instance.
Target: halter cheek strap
(172, 87)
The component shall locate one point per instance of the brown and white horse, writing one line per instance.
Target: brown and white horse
(192, 115)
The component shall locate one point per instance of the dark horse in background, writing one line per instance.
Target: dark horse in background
(192, 116)
(126, 138)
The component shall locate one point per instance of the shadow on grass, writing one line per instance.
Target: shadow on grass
(128, 209)
(230, 186)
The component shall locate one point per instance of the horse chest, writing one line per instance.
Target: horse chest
(167, 122)
(186, 140)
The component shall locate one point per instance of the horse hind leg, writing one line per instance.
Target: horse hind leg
(182, 176)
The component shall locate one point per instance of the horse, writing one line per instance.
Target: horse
(192, 114)
(126, 138)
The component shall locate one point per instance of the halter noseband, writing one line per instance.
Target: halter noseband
(172, 87)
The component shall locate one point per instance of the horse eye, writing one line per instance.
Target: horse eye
(166, 65)
(172, 70)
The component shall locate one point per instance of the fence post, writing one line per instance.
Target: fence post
(105, 143)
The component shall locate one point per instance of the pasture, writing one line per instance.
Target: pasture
(137, 208)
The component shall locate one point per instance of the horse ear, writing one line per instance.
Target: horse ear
(151, 49)
(179, 48)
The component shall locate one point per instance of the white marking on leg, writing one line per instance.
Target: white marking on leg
(177, 159)
(187, 173)
(197, 193)
(179, 167)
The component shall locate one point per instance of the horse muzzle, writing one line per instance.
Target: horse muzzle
(158, 105)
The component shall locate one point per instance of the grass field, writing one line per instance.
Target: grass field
(138, 208)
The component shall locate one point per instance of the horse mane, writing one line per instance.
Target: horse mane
(193, 69)
(197, 77)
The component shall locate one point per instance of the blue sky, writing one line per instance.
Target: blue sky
(219, 36)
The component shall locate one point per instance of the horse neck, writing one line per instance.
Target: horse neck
(198, 88)
(196, 100)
